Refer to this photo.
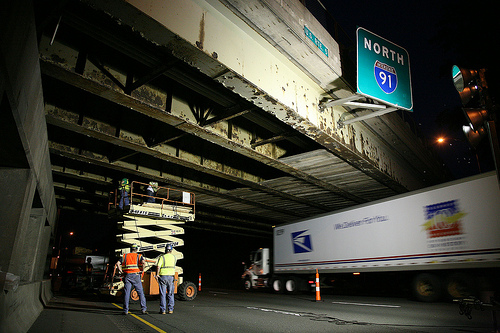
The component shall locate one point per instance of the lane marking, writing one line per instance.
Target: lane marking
(312, 316)
(363, 304)
(140, 319)
(218, 292)
(275, 311)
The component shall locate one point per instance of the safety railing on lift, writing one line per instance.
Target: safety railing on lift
(164, 196)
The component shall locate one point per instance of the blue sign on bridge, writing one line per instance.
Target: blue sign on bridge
(316, 41)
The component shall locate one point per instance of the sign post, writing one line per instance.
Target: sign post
(383, 70)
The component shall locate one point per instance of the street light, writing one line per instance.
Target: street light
(471, 138)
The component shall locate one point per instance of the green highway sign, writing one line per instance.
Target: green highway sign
(383, 70)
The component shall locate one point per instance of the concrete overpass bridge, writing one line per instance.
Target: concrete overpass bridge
(226, 99)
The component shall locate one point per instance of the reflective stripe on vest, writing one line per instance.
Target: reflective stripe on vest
(168, 266)
(130, 262)
(126, 188)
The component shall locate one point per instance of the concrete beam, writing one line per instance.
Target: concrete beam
(107, 132)
(81, 174)
(206, 133)
(91, 157)
(247, 62)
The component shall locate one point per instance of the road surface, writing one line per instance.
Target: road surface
(233, 311)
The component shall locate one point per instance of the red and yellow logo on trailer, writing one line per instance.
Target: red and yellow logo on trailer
(443, 219)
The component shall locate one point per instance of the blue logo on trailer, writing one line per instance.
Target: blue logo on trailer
(301, 242)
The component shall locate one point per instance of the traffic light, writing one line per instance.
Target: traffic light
(465, 83)
(474, 137)
(476, 118)
(479, 109)
(473, 90)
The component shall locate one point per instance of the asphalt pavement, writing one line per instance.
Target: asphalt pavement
(87, 312)
(239, 311)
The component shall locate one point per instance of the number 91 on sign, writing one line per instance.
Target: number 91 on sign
(386, 77)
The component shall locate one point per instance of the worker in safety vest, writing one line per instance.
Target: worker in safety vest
(151, 191)
(165, 271)
(124, 189)
(131, 264)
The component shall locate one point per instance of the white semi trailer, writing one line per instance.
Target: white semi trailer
(443, 239)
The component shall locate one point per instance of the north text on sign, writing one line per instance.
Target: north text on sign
(394, 56)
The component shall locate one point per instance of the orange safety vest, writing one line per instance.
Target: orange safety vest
(130, 262)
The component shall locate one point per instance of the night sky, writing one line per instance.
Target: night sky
(437, 35)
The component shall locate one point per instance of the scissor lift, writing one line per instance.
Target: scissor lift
(152, 226)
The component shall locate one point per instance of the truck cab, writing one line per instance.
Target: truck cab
(255, 276)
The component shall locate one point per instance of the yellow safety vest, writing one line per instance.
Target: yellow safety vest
(167, 264)
(125, 187)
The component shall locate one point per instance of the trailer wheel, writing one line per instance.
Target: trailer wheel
(291, 285)
(187, 291)
(134, 295)
(459, 285)
(427, 287)
(277, 285)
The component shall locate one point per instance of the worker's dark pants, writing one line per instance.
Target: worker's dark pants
(150, 195)
(124, 200)
(135, 281)
(166, 291)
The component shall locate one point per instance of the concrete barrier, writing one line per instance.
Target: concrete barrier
(19, 309)
(45, 292)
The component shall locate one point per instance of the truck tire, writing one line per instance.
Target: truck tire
(277, 285)
(187, 291)
(427, 287)
(247, 284)
(292, 285)
(459, 285)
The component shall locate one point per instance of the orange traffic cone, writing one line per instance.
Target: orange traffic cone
(318, 296)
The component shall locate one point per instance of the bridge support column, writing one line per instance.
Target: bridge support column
(27, 201)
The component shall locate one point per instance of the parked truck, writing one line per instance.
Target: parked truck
(435, 241)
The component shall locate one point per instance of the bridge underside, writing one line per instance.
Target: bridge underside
(143, 103)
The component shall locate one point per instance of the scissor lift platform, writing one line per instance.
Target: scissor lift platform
(152, 226)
